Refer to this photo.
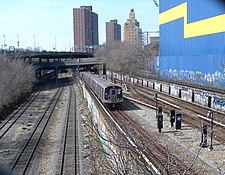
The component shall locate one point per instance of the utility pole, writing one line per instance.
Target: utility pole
(69, 46)
(55, 43)
(4, 42)
(146, 36)
(18, 41)
(210, 115)
(34, 43)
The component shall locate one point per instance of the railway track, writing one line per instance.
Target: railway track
(193, 107)
(67, 155)
(23, 159)
(159, 156)
(156, 157)
(78, 131)
(9, 122)
(190, 112)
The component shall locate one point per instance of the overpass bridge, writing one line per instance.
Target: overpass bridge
(57, 61)
(80, 64)
(70, 63)
(46, 55)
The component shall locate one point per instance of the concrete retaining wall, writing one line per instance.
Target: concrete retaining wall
(202, 97)
(97, 118)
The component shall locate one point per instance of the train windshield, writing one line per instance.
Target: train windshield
(113, 92)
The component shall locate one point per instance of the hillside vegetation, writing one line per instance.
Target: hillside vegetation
(16, 81)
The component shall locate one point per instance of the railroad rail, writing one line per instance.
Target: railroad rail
(77, 131)
(156, 158)
(23, 160)
(67, 154)
(192, 113)
(9, 122)
(166, 162)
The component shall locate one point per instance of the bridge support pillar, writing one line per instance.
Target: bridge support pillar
(40, 61)
(30, 61)
(56, 76)
(104, 69)
(39, 73)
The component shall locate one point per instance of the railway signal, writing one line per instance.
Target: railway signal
(160, 122)
(160, 110)
(203, 143)
(172, 117)
(210, 115)
(178, 121)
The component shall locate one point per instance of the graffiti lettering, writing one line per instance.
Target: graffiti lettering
(219, 102)
(216, 79)
(200, 92)
(184, 88)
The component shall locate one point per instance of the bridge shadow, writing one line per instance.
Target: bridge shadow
(129, 106)
(52, 84)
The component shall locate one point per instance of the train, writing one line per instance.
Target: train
(110, 94)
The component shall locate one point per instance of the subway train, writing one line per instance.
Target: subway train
(110, 94)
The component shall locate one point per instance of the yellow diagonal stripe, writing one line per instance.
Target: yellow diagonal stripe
(173, 14)
(203, 27)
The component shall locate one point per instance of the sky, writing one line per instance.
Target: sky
(46, 23)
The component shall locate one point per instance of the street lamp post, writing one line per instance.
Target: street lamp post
(210, 115)
(4, 42)
(18, 41)
(34, 43)
(69, 46)
(55, 43)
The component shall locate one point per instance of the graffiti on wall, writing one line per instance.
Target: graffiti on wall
(219, 102)
(201, 92)
(174, 90)
(186, 94)
(201, 97)
(216, 79)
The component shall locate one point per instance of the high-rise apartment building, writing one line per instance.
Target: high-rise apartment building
(85, 28)
(132, 31)
(113, 31)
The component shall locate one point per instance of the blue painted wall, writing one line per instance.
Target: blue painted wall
(202, 53)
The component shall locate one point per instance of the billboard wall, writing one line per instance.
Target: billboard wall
(192, 35)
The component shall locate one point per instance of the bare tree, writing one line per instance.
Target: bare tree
(16, 79)
(122, 57)
(151, 52)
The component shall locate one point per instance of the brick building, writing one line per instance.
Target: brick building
(85, 28)
(113, 31)
(132, 31)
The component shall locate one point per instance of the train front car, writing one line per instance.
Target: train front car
(113, 96)
(110, 94)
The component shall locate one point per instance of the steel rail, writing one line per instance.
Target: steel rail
(28, 103)
(58, 93)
